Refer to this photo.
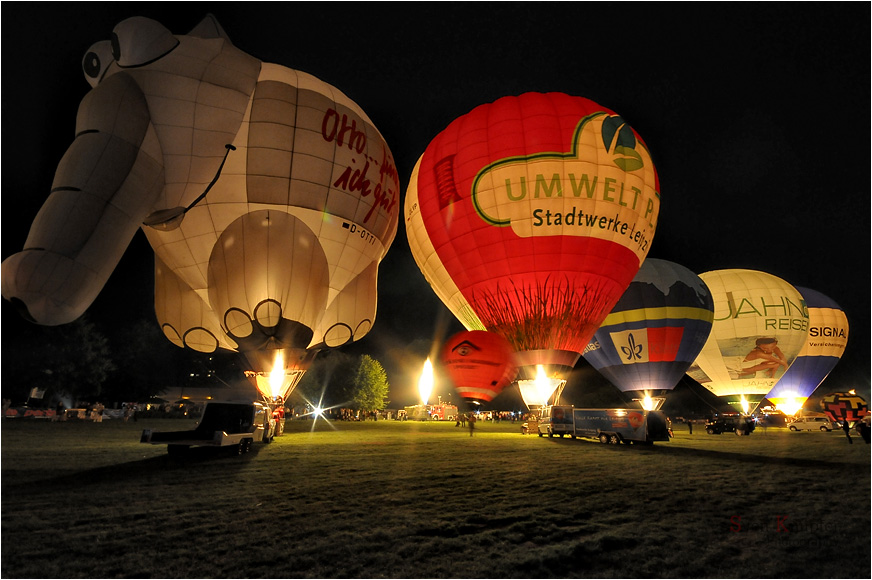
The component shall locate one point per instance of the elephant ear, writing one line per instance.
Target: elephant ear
(139, 41)
(209, 28)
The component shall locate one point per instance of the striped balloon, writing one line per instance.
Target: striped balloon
(655, 331)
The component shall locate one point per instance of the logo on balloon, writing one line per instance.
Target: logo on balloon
(465, 348)
(574, 193)
(632, 350)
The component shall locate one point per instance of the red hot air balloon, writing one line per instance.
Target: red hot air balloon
(479, 363)
(530, 216)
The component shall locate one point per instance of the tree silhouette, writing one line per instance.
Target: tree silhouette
(71, 361)
(370, 385)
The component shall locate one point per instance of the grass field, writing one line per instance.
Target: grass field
(425, 500)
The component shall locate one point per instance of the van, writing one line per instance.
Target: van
(556, 420)
(812, 424)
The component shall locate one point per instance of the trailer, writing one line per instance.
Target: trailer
(614, 426)
(223, 424)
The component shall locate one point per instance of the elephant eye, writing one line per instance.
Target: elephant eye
(96, 61)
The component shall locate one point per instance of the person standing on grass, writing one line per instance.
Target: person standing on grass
(471, 425)
(690, 427)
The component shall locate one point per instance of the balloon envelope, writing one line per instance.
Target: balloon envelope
(480, 364)
(655, 331)
(529, 217)
(844, 407)
(827, 339)
(268, 196)
(759, 327)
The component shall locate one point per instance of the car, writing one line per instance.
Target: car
(812, 424)
(738, 424)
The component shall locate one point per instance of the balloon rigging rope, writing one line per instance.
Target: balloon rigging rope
(229, 148)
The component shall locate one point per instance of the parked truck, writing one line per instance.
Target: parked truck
(443, 412)
(612, 426)
(223, 424)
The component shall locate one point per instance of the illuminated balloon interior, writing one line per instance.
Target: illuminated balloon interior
(280, 380)
(789, 404)
(536, 392)
(648, 403)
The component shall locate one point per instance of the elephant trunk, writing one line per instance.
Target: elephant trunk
(104, 186)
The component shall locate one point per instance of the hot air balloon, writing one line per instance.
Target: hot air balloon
(847, 408)
(759, 327)
(529, 217)
(268, 197)
(827, 339)
(480, 364)
(655, 331)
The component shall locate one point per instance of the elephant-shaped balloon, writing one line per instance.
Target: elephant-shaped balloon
(268, 196)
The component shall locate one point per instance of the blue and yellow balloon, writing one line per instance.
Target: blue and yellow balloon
(656, 330)
(827, 339)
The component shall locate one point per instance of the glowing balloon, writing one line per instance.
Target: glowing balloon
(759, 327)
(655, 331)
(529, 217)
(479, 363)
(848, 407)
(268, 196)
(827, 339)
(537, 392)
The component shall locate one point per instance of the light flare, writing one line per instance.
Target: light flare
(746, 406)
(425, 382)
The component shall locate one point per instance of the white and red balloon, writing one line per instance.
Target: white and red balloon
(529, 217)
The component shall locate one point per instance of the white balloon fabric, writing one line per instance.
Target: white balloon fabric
(760, 325)
(268, 196)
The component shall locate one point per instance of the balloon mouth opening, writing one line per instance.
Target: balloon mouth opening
(557, 363)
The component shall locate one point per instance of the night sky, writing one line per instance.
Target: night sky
(750, 112)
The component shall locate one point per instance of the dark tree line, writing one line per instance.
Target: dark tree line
(82, 361)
